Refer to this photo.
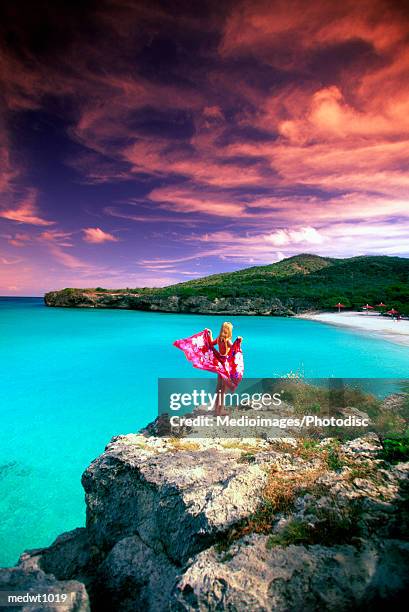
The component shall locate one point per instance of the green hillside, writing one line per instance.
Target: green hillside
(299, 283)
(320, 281)
(300, 264)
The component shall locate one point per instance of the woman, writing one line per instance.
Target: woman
(226, 361)
(224, 342)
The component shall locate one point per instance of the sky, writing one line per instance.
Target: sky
(147, 143)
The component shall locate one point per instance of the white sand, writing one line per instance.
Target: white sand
(390, 329)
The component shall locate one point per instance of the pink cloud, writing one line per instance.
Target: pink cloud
(57, 236)
(10, 261)
(200, 165)
(55, 241)
(96, 235)
(213, 112)
(281, 210)
(115, 211)
(190, 201)
(19, 239)
(102, 123)
(335, 117)
(259, 246)
(66, 259)
(163, 266)
(26, 211)
(183, 258)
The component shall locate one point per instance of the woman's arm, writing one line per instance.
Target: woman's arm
(209, 331)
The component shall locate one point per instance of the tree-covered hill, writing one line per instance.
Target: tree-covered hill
(297, 283)
(321, 281)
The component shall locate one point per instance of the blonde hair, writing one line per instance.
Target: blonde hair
(226, 331)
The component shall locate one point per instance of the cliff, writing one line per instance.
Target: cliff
(182, 524)
(290, 286)
(174, 303)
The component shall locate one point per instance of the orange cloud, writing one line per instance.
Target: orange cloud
(96, 235)
(261, 27)
(202, 162)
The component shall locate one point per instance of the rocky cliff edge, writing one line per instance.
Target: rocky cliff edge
(184, 525)
(77, 298)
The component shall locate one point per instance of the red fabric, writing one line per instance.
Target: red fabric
(200, 351)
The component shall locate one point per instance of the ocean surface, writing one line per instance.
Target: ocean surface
(72, 379)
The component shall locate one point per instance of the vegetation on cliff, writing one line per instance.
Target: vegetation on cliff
(323, 281)
(316, 282)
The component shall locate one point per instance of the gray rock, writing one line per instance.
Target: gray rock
(166, 520)
(178, 502)
(366, 447)
(394, 402)
(35, 581)
(80, 298)
(294, 578)
(134, 577)
(68, 556)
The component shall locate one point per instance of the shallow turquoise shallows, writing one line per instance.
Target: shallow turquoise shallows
(72, 379)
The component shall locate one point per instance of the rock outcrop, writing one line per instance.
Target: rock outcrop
(32, 580)
(77, 298)
(256, 577)
(192, 524)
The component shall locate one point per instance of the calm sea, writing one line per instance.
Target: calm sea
(72, 379)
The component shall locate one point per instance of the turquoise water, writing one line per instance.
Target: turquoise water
(71, 379)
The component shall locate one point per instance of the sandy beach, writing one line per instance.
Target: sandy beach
(372, 323)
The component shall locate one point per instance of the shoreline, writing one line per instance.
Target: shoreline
(372, 325)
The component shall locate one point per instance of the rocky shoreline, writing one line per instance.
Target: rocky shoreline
(245, 524)
(76, 298)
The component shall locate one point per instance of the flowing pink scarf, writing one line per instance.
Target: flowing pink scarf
(199, 350)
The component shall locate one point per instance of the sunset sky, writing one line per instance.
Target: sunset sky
(144, 143)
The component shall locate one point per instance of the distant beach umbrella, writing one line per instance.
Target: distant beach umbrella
(381, 305)
(339, 306)
(392, 311)
(367, 307)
